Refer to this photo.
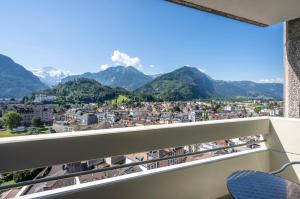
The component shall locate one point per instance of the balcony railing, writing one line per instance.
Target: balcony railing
(204, 178)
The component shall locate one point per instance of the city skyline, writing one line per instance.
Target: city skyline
(91, 37)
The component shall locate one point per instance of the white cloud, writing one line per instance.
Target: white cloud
(202, 70)
(125, 59)
(273, 80)
(104, 66)
(152, 66)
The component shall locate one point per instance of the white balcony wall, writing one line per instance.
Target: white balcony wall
(44, 150)
(283, 142)
(198, 179)
(192, 180)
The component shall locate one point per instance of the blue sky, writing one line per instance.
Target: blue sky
(154, 35)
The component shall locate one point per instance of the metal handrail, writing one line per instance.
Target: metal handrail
(47, 179)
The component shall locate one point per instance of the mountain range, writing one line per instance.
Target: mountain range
(119, 76)
(189, 83)
(185, 83)
(16, 81)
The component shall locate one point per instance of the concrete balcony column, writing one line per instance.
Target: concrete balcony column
(292, 68)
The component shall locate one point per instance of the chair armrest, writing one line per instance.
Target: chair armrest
(284, 167)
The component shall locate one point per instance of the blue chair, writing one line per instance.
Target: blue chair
(249, 184)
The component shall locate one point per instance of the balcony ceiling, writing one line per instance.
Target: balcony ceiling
(258, 12)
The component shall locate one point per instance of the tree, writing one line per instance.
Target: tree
(11, 120)
(28, 99)
(20, 176)
(257, 109)
(205, 116)
(36, 121)
(176, 109)
(217, 108)
(33, 131)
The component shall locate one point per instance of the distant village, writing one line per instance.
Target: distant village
(57, 119)
(118, 115)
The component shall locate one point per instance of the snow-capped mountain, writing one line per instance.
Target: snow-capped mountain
(50, 75)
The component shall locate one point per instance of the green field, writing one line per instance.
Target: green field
(120, 99)
(39, 130)
(8, 182)
(11, 134)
